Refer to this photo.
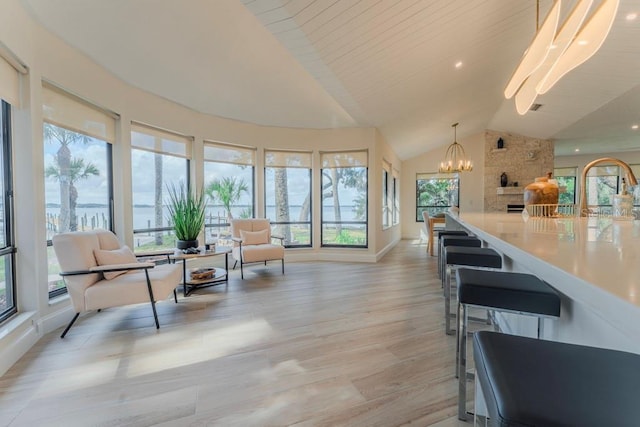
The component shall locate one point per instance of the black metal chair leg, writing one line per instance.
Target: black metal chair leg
(234, 264)
(283, 266)
(153, 301)
(69, 325)
(175, 296)
(241, 271)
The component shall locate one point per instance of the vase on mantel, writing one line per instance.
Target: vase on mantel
(503, 179)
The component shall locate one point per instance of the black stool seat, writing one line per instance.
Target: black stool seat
(455, 240)
(529, 382)
(518, 292)
(472, 256)
(467, 241)
(451, 233)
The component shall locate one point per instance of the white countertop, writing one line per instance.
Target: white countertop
(595, 261)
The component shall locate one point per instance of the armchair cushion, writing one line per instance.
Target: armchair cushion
(254, 237)
(115, 256)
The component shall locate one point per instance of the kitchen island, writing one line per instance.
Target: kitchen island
(593, 262)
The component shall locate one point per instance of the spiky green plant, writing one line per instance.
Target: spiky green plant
(186, 211)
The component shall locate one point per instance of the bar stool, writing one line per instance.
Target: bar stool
(498, 291)
(454, 240)
(442, 234)
(457, 256)
(545, 383)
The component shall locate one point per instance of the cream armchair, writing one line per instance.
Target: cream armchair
(100, 273)
(252, 243)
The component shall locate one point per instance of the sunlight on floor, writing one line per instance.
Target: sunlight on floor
(85, 376)
(212, 344)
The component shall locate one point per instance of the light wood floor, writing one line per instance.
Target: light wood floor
(327, 344)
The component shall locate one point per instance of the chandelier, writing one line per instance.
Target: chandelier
(455, 160)
(553, 54)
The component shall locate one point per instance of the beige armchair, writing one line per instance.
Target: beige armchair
(100, 273)
(252, 243)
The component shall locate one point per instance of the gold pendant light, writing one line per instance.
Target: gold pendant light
(455, 160)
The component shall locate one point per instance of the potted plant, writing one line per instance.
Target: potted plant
(186, 213)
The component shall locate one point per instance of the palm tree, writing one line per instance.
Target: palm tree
(159, 214)
(76, 170)
(227, 191)
(63, 164)
(282, 204)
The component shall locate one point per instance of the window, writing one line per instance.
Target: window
(436, 193)
(344, 199)
(7, 250)
(396, 197)
(602, 184)
(566, 178)
(229, 176)
(159, 160)
(77, 165)
(287, 187)
(386, 209)
(635, 191)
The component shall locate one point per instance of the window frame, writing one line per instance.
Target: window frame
(386, 207)
(396, 198)
(310, 171)
(55, 97)
(163, 135)
(567, 173)
(366, 207)
(208, 226)
(9, 249)
(434, 209)
(605, 171)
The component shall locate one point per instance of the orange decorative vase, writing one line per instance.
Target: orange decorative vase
(544, 191)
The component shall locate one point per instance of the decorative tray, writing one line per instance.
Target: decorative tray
(202, 273)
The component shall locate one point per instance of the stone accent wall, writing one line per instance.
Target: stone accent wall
(522, 159)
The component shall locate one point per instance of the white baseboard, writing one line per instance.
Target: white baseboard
(386, 249)
(19, 336)
(55, 320)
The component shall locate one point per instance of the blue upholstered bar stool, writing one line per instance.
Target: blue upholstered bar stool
(462, 256)
(442, 234)
(454, 240)
(529, 382)
(498, 291)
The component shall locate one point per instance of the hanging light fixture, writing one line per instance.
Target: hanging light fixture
(455, 160)
(553, 54)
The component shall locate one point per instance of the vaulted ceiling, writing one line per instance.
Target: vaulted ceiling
(390, 64)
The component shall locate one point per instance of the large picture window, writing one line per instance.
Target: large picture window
(7, 250)
(602, 185)
(287, 187)
(344, 199)
(159, 161)
(436, 193)
(229, 176)
(566, 178)
(77, 170)
(386, 203)
(396, 197)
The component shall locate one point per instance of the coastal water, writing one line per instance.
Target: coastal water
(143, 217)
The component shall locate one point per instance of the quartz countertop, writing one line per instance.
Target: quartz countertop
(595, 261)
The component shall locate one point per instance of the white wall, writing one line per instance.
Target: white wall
(385, 238)
(48, 58)
(471, 183)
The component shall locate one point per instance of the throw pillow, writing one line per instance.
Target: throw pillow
(254, 237)
(117, 256)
